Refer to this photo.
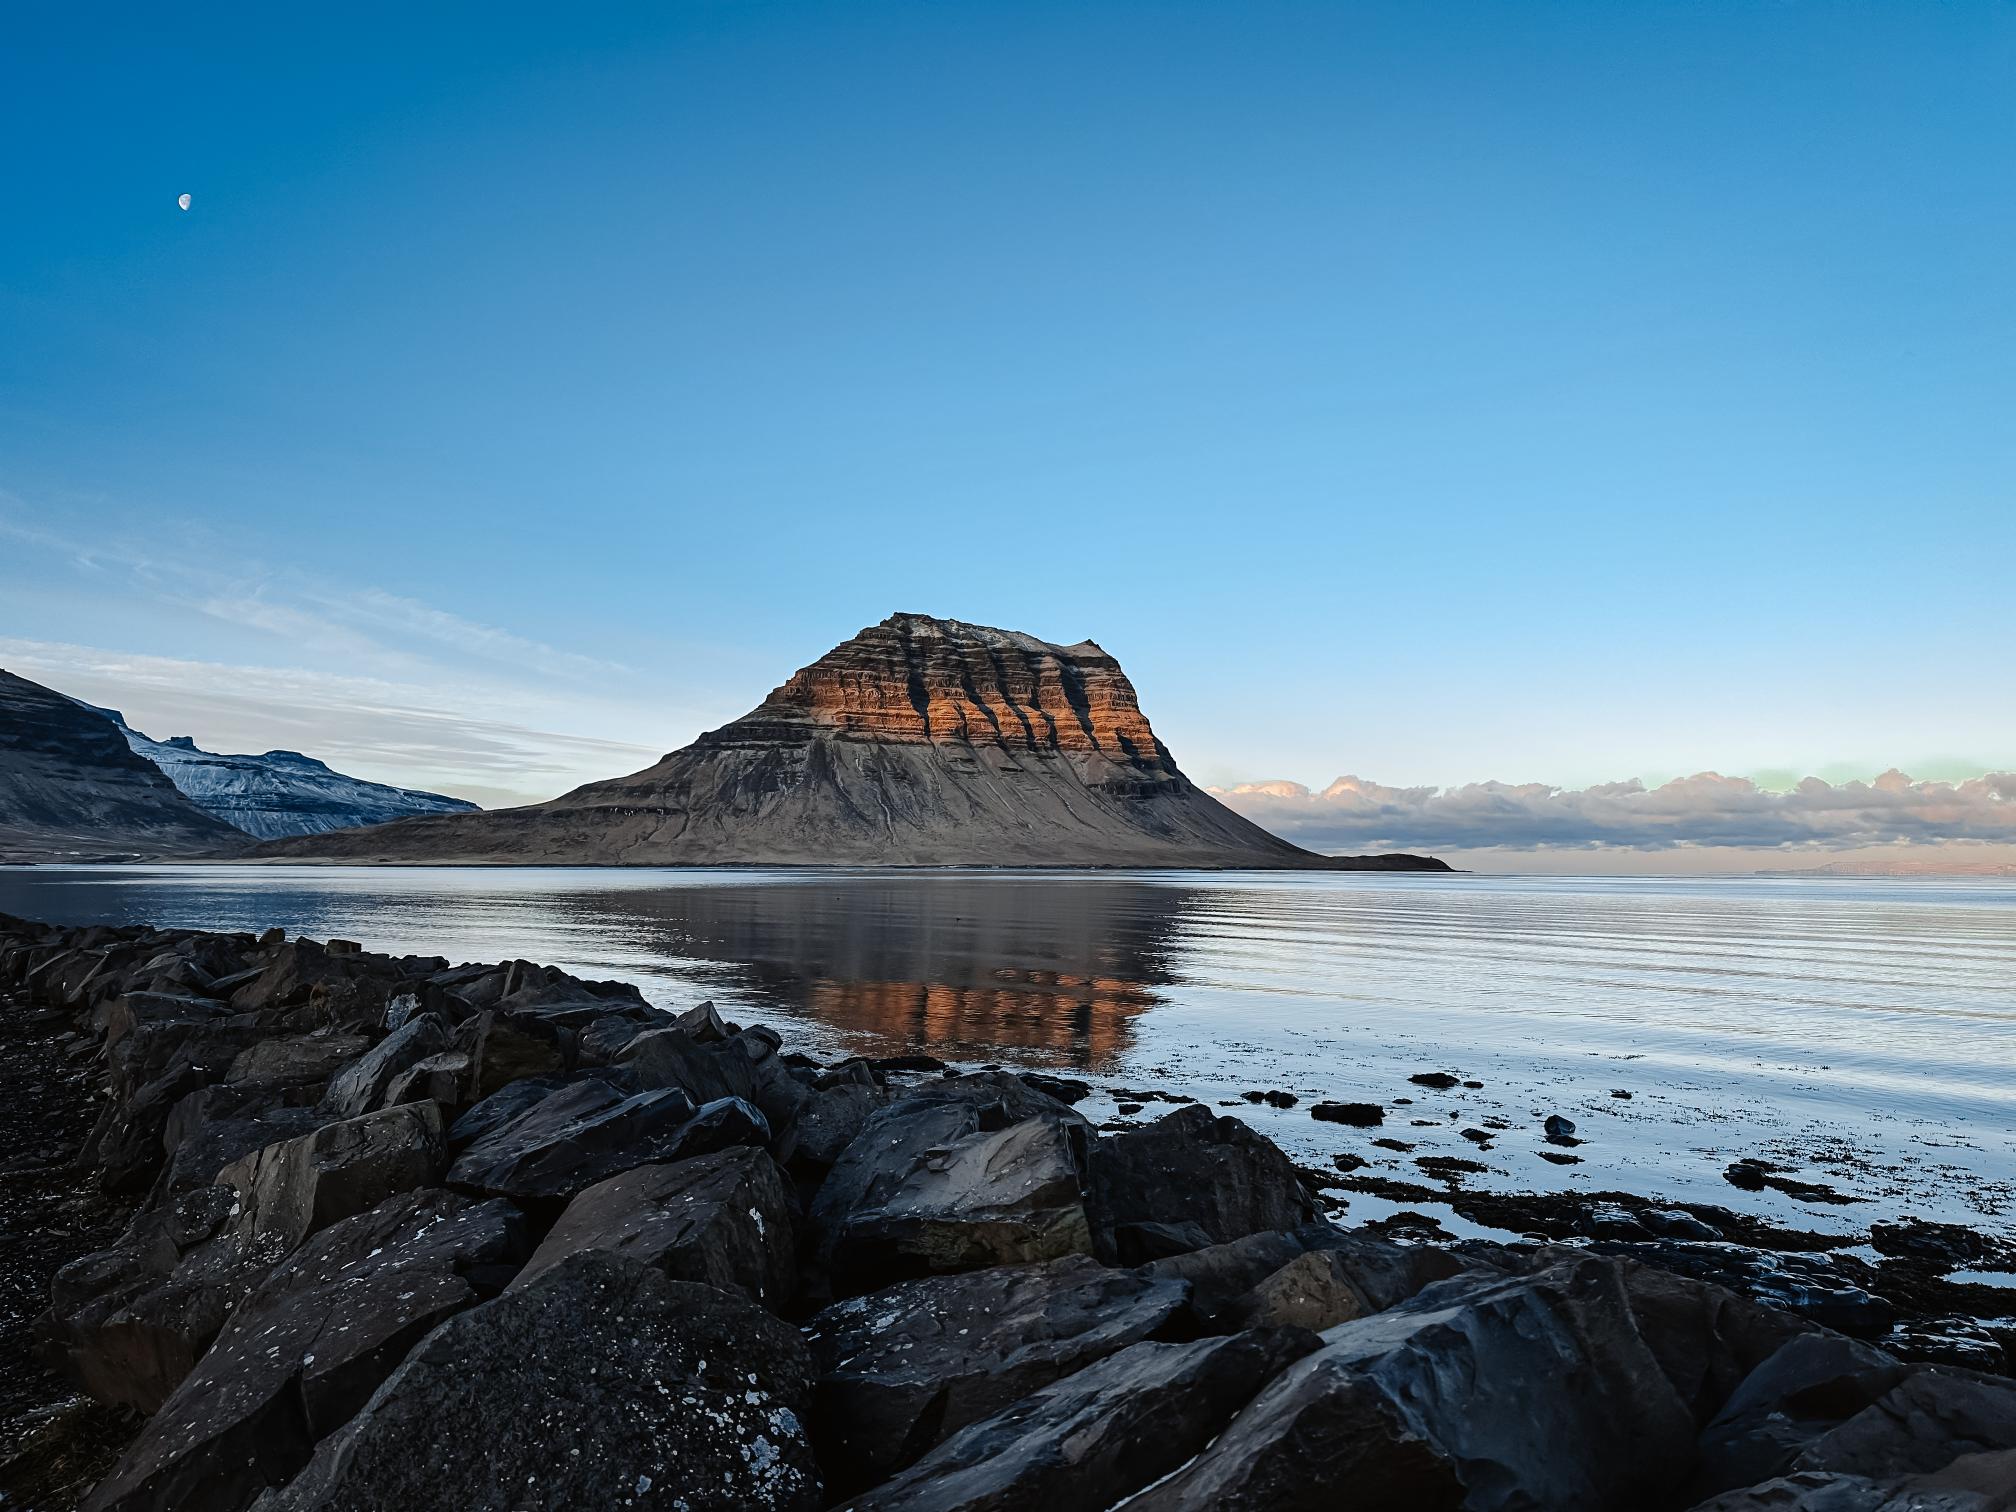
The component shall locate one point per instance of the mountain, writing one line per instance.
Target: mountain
(280, 793)
(72, 790)
(920, 742)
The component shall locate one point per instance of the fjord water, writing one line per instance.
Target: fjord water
(1860, 1031)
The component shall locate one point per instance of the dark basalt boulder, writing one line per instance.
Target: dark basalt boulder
(830, 1122)
(1014, 1194)
(1386, 1274)
(503, 1049)
(1219, 1275)
(1189, 1171)
(703, 1070)
(1084, 1443)
(1383, 1274)
(743, 1064)
(1706, 1339)
(1389, 1412)
(213, 1126)
(903, 1368)
(1312, 1291)
(1832, 1290)
(963, 1173)
(442, 1078)
(291, 1189)
(1968, 1343)
(603, 1384)
(1066, 1089)
(306, 1348)
(361, 1085)
(546, 992)
(600, 1041)
(503, 1106)
(128, 1323)
(119, 1018)
(1973, 1483)
(160, 1058)
(528, 1114)
(590, 1131)
(724, 1219)
(296, 1060)
(1946, 1244)
(319, 987)
(1809, 1386)
(703, 1022)
(1923, 1423)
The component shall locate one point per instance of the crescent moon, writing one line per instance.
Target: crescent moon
(182, 200)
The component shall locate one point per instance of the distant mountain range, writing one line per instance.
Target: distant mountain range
(918, 742)
(280, 793)
(72, 789)
(78, 783)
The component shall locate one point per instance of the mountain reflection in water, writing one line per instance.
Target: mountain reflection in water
(963, 966)
(1858, 1032)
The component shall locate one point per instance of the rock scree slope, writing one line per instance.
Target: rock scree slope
(919, 742)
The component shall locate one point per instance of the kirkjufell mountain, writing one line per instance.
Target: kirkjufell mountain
(72, 790)
(919, 742)
(280, 793)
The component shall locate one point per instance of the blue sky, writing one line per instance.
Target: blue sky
(1541, 392)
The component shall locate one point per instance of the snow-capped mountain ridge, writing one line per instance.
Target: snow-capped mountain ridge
(279, 793)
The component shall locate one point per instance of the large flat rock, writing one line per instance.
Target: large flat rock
(306, 1348)
(1188, 1180)
(1493, 1394)
(1085, 1442)
(603, 1384)
(724, 1219)
(901, 1369)
(958, 1174)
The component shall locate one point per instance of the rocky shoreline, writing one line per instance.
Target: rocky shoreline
(306, 1227)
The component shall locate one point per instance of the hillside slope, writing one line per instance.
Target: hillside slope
(72, 790)
(918, 742)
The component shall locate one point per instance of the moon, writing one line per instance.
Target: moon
(182, 200)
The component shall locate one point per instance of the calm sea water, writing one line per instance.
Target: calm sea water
(1861, 1031)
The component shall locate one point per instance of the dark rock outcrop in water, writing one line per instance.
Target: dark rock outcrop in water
(532, 1270)
(71, 790)
(280, 793)
(919, 742)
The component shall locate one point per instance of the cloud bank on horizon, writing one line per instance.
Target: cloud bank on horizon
(1705, 810)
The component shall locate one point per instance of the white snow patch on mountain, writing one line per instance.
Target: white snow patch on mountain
(281, 792)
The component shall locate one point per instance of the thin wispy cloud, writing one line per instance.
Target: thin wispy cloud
(303, 629)
(439, 626)
(414, 736)
(385, 629)
(1705, 810)
(376, 683)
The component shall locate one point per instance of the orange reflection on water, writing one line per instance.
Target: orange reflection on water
(1055, 1015)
